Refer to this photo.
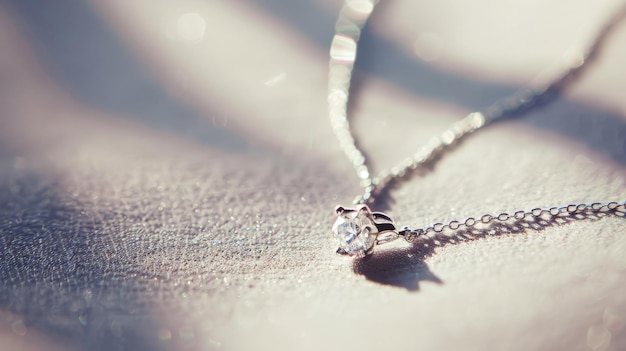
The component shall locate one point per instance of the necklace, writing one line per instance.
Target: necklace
(358, 230)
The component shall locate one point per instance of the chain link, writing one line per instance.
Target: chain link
(353, 15)
(615, 208)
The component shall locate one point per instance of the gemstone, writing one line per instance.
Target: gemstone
(352, 231)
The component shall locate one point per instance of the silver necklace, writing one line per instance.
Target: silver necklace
(358, 230)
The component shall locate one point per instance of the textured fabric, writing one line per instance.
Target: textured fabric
(164, 193)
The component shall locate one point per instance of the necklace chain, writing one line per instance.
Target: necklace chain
(536, 214)
(353, 16)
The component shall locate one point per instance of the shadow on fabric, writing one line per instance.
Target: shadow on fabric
(57, 272)
(406, 267)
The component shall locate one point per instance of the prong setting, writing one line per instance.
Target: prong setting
(356, 229)
(339, 210)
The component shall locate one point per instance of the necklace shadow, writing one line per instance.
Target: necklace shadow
(407, 268)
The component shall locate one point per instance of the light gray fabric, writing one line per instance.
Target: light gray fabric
(160, 195)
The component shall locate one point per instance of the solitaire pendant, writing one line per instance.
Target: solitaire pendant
(358, 230)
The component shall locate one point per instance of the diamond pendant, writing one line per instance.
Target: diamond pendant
(358, 230)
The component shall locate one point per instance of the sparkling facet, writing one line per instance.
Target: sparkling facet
(352, 233)
(346, 231)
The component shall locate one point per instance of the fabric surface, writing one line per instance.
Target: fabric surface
(168, 176)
